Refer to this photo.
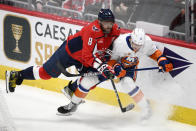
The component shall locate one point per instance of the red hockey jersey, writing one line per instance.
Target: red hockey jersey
(84, 44)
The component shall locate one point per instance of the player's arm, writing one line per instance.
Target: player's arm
(157, 55)
(89, 48)
(123, 64)
(162, 61)
(117, 67)
(89, 44)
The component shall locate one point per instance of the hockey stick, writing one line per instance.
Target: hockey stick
(127, 108)
(66, 73)
(123, 109)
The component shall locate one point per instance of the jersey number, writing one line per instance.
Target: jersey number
(90, 40)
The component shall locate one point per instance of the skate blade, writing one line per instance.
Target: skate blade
(7, 76)
(60, 114)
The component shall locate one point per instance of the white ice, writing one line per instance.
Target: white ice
(34, 109)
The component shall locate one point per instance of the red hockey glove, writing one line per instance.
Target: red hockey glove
(165, 64)
(106, 70)
(103, 55)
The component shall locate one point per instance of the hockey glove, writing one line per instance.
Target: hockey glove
(119, 71)
(106, 70)
(103, 55)
(128, 62)
(165, 64)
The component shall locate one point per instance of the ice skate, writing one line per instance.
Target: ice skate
(67, 109)
(12, 79)
(67, 91)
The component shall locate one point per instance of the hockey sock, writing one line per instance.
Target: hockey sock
(27, 73)
(79, 94)
(139, 98)
(37, 73)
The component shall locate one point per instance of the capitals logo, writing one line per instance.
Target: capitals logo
(95, 29)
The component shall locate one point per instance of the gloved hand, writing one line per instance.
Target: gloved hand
(119, 71)
(165, 64)
(103, 55)
(106, 70)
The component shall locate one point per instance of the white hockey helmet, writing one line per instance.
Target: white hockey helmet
(138, 36)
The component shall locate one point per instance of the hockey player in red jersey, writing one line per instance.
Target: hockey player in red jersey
(85, 50)
(127, 50)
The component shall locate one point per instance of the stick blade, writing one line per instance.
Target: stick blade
(128, 108)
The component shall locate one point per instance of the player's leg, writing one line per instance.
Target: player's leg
(85, 83)
(138, 96)
(69, 89)
(14, 78)
(45, 72)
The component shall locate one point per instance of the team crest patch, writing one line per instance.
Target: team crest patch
(95, 28)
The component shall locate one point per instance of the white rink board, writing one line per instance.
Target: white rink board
(154, 84)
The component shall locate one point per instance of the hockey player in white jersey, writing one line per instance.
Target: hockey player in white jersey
(127, 50)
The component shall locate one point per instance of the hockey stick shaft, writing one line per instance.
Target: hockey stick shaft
(66, 73)
(118, 98)
(127, 108)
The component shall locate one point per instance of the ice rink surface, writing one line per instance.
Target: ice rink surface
(34, 109)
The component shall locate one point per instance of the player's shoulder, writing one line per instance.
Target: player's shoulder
(126, 34)
(149, 45)
(92, 30)
(116, 29)
(122, 37)
(93, 27)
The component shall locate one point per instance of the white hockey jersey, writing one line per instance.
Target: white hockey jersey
(122, 47)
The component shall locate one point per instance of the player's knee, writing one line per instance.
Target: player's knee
(128, 82)
(40, 73)
(88, 82)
